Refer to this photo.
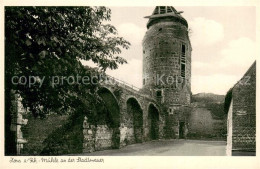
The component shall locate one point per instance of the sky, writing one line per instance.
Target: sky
(223, 44)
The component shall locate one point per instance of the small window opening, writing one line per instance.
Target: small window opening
(183, 60)
(159, 93)
(183, 49)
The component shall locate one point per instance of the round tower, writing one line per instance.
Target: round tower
(167, 61)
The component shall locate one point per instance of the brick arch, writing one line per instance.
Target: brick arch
(111, 103)
(136, 98)
(109, 121)
(135, 115)
(155, 105)
(110, 89)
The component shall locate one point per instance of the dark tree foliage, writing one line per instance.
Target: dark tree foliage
(48, 42)
(217, 110)
(228, 99)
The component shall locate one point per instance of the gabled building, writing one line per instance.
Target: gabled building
(240, 104)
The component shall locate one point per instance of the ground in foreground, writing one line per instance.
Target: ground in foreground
(168, 148)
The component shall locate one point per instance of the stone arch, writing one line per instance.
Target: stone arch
(153, 121)
(136, 98)
(135, 114)
(108, 120)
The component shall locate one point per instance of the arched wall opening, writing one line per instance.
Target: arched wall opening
(107, 133)
(153, 121)
(135, 114)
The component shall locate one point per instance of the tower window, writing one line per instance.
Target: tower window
(183, 49)
(183, 60)
(171, 110)
(143, 81)
(158, 93)
(183, 70)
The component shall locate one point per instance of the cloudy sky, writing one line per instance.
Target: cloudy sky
(222, 38)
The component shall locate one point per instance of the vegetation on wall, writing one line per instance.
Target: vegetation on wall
(38, 129)
(207, 98)
(217, 110)
(67, 139)
(213, 102)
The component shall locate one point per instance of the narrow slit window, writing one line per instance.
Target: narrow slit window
(183, 60)
(183, 49)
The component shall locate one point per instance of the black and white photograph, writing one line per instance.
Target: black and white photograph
(88, 83)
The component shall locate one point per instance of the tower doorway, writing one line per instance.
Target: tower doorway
(181, 130)
(153, 117)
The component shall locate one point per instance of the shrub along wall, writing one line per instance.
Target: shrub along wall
(67, 139)
(37, 130)
(204, 125)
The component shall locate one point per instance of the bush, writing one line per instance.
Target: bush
(68, 139)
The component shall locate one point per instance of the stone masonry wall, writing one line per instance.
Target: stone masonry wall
(130, 130)
(244, 112)
(162, 51)
(103, 137)
(126, 119)
(56, 135)
(167, 69)
(229, 130)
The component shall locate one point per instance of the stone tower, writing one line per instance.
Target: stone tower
(167, 66)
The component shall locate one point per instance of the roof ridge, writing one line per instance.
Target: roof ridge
(247, 72)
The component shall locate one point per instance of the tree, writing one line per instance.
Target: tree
(45, 45)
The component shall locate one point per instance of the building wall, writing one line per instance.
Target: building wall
(242, 115)
(229, 130)
(244, 112)
(103, 137)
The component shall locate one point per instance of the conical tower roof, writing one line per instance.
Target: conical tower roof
(165, 13)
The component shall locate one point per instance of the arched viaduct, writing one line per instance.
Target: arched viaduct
(131, 116)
